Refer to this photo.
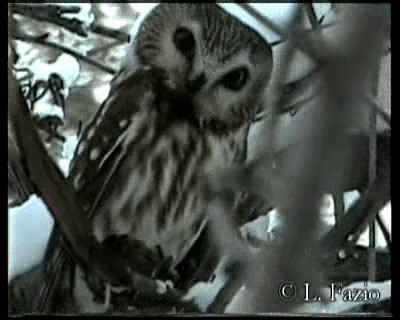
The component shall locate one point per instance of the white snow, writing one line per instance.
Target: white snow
(100, 93)
(204, 293)
(66, 66)
(42, 109)
(30, 224)
(85, 14)
(29, 227)
(67, 153)
(265, 227)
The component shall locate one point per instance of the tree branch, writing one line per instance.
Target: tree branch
(52, 14)
(312, 16)
(41, 40)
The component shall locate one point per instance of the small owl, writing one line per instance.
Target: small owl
(178, 111)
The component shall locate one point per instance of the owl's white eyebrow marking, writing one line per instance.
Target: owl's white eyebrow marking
(94, 154)
(123, 123)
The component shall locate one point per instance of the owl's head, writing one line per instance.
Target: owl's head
(209, 56)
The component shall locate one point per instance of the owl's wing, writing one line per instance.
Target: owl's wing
(101, 146)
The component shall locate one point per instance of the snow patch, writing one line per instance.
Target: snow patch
(66, 66)
(29, 228)
(265, 227)
(43, 110)
(101, 92)
(204, 293)
(67, 154)
(85, 14)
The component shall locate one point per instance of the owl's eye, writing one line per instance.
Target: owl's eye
(184, 42)
(235, 79)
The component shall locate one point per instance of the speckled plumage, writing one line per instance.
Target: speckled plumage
(141, 161)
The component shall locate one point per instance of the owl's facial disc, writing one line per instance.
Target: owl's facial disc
(211, 59)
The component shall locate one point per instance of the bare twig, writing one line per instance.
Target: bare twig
(338, 205)
(385, 232)
(304, 44)
(105, 47)
(52, 14)
(304, 33)
(110, 33)
(312, 16)
(378, 109)
(41, 41)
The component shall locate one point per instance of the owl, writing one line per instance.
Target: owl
(178, 111)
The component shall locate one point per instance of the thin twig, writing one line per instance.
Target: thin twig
(304, 44)
(304, 33)
(338, 206)
(105, 47)
(377, 108)
(312, 16)
(41, 41)
(385, 231)
(109, 32)
(52, 14)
